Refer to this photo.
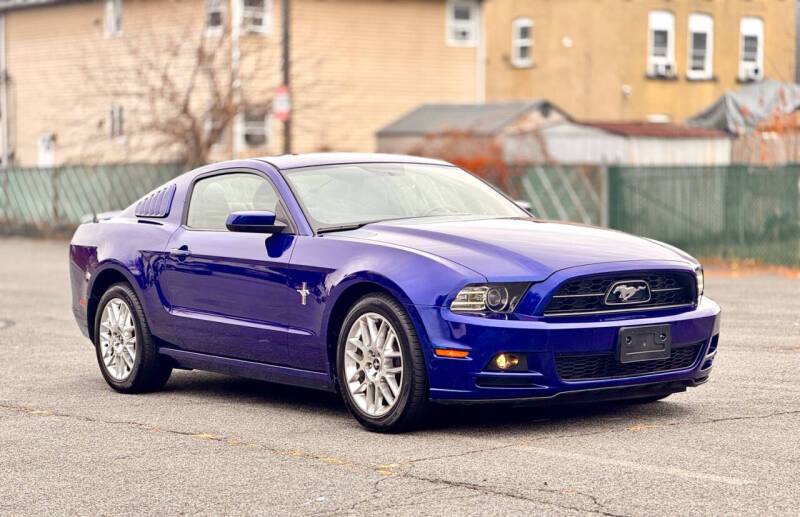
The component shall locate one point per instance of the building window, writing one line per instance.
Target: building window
(661, 41)
(214, 125)
(701, 46)
(215, 16)
(257, 16)
(255, 127)
(46, 150)
(751, 56)
(115, 121)
(522, 42)
(113, 18)
(462, 23)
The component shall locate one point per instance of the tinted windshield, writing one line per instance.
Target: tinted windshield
(358, 193)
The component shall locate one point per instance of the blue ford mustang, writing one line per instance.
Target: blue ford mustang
(398, 281)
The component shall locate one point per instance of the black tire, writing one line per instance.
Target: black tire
(149, 372)
(411, 407)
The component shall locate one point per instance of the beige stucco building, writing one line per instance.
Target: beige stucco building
(634, 59)
(86, 80)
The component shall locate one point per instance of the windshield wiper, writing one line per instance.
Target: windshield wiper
(341, 228)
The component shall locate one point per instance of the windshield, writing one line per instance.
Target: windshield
(339, 195)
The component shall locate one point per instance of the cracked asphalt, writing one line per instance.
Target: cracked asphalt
(210, 444)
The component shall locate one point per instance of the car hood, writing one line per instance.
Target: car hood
(515, 249)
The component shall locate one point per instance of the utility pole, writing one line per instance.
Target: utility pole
(287, 121)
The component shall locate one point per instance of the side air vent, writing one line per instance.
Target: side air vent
(156, 204)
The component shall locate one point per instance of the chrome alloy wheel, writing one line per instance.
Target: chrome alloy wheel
(373, 364)
(118, 339)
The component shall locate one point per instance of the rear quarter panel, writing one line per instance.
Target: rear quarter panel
(124, 246)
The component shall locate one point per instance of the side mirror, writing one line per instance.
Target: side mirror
(523, 205)
(254, 222)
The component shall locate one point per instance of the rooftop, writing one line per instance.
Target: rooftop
(294, 161)
(653, 129)
(482, 119)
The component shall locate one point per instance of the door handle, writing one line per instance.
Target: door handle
(180, 253)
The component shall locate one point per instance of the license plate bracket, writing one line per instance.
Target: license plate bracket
(648, 343)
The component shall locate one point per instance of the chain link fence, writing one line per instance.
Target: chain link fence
(53, 200)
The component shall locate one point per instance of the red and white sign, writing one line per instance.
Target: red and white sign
(282, 103)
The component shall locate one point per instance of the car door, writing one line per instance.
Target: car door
(226, 291)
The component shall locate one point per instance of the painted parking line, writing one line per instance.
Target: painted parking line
(654, 469)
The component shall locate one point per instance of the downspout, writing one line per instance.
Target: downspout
(4, 155)
(236, 26)
(480, 59)
(4, 158)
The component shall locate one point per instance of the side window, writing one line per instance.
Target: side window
(462, 23)
(214, 198)
(522, 42)
(701, 46)
(661, 44)
(751, 55)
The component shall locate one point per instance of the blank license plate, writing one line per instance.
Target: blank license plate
(644, 343)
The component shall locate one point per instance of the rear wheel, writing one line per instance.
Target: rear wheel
(126, 351)
(380, 367)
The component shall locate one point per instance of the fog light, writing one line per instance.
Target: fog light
(506, 361)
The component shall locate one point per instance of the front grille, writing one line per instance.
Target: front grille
(587, 294)
(581, 367)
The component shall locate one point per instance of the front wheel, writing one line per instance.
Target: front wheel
(380, 366)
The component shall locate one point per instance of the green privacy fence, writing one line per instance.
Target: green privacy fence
(736, 211)
(732, 212)
(43, 200)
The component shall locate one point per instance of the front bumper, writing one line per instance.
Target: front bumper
(541, 340)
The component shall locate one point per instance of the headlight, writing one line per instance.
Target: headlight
(698, 272)
(501, 298)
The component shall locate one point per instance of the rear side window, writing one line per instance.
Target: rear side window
(216, 197)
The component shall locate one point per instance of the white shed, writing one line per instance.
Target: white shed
(628, 143)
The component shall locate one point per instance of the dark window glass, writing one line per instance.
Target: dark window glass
(462, 12)
(699, 50)
(660, 39)
(750, 49)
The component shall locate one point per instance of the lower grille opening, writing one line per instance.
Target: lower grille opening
(500, 381)
(581, 367)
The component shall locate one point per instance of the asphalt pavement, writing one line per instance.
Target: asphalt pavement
(210, 444)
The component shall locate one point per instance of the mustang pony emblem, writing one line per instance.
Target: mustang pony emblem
(626, 292)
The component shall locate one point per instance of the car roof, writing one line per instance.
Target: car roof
(294, 161)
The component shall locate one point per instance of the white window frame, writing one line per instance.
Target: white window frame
(751, 26)
(250, 12)
(256, 127)
(215, 6)
(208, 126)
(46, 150)
(116, 122)
(113, 18)
(471, 26)
(701, 23)
(660, 21)
(518, 42)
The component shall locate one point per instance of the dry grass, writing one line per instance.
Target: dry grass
(734, 268)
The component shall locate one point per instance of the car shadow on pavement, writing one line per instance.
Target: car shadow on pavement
(486, 417)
